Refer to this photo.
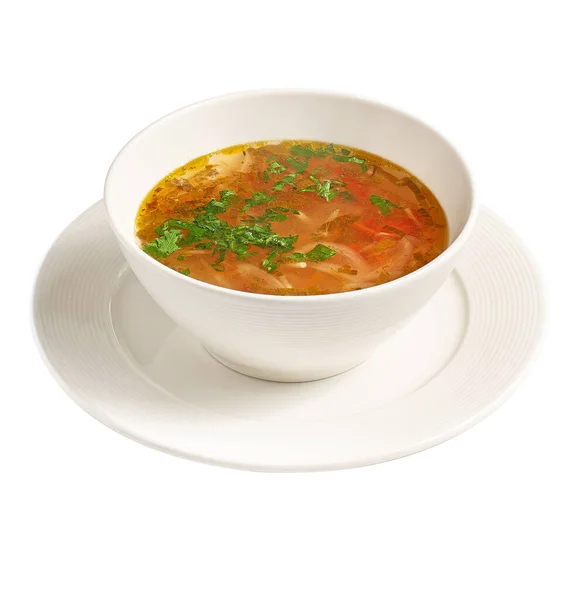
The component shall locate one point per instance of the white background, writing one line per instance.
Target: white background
(89, 514)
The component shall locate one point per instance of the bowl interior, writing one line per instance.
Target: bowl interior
(239, 118)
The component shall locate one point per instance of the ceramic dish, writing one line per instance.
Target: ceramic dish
(288, 338)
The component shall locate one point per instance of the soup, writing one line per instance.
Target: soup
(292, 218)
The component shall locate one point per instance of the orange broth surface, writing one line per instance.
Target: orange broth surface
(292, 218)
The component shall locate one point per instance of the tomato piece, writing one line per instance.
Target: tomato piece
(355, 187)
(404, 224)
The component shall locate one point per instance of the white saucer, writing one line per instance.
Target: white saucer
(124, 362)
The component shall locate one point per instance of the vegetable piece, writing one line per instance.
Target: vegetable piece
(383, 204)
(257, 198)
(351, 255)
(276, 168)
(324, 189)
(299, 165)
(321, 152)
(289, 209)
(309, 152)
(347, 270)
(164, 245)
(320, 252)
(352, 159)
(391, 229)
(271, 214)
(226, 195)
(287, 180)
(317, 254)
(268, 263)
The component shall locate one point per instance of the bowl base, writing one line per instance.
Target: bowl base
(283, 377)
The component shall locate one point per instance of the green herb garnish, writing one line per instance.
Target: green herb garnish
(309, 152)
(164, 245)
(180, 257)
(287, 180)
(383, 204)
(319, 253)
(217, 207)
(352, 159)
(324, 189)
(271, 214)
(257, 198)
(299, 165)
(268, 263)
(205, 246)
(184, 271)
(208, 232)
(329, 150)
(276, 168)
(227, 195)
(289, 209)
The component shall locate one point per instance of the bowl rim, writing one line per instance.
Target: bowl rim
(445, 256)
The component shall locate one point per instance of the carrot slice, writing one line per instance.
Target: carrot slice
(366, 230)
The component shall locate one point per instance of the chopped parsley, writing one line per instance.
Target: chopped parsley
(268, 263)
(164, 245)
(324, 189)
(287, 180)
(352, 159)
(299, 165)
(309, 152)
(289, 209)
(383, 204)
(257, 198)
(184, 271)
(329, 150)
(227, 195)
(271, 214)
(208, 232)
(275, 167)
(319, 253)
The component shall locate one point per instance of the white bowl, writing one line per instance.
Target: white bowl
(286, 338)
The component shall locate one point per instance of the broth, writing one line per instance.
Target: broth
(292, 218)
